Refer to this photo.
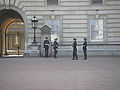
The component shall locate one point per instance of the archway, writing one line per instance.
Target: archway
(11, 33)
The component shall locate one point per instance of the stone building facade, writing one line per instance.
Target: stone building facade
(97, 20)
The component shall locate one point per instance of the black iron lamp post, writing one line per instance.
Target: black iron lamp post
(34, 26)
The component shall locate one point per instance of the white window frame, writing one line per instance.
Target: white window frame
(96, 30)
(104, 28)
(56, 18)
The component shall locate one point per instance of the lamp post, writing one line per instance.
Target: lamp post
(34, 26)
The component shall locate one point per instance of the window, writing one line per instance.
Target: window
(55, 26)
(96, 1)
(52, 2)
(96, 27)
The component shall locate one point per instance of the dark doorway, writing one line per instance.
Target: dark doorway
(11, 33)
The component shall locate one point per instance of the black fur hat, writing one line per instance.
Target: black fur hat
(74, 39)
(85, 38)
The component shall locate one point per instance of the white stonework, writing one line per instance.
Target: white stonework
(73, 16)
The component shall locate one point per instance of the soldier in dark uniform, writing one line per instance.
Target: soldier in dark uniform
(85, 48)
(55, 47)
(46, 46)
(75, 50)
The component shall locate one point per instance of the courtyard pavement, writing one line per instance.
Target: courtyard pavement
(35, 73)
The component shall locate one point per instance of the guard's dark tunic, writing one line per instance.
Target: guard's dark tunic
(85, 49)
(55, 47)
(75, 50)
(46, 46)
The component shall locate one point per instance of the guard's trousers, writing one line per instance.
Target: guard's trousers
(55, 53)
(85, 53)
(46, 51)
(75, 54)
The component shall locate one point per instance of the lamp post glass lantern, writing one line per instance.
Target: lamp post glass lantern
(34, 26)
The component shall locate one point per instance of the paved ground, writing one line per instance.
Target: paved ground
(34, 73)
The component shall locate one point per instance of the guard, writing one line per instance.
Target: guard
(55, 47)
(46, 46)
(75, 50)
(85, 48)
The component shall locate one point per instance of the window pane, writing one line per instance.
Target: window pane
(55, 32)
(96, 1)
(96, 27)
(52, 2)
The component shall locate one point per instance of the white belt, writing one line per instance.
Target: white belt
(47, 44)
